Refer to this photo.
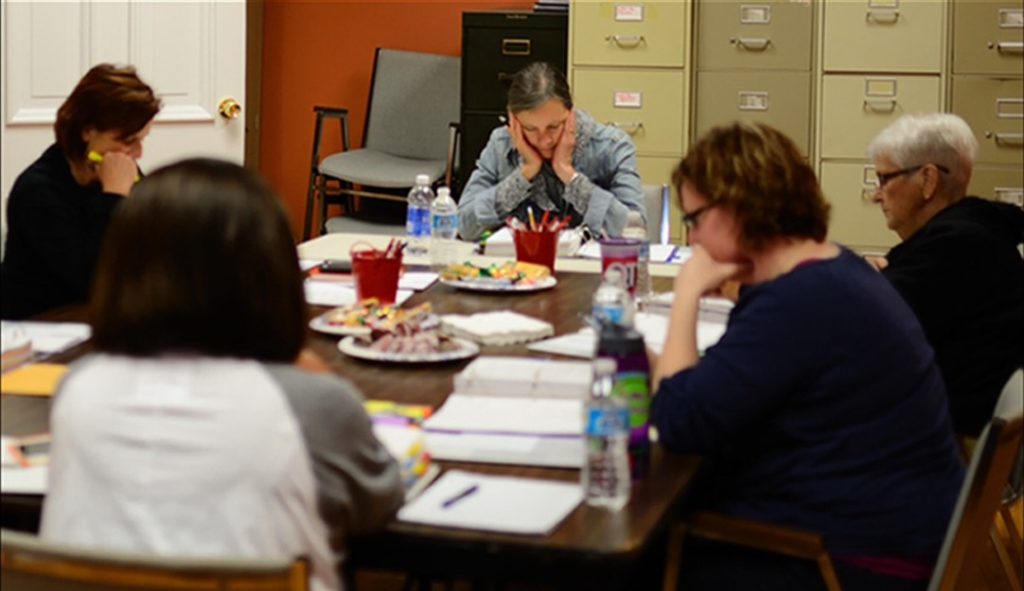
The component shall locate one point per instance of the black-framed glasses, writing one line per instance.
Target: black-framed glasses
(692, 218)
(885, 177)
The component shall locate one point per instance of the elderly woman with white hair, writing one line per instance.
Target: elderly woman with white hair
(958, 265)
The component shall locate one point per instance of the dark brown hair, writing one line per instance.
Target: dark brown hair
(760, 175)
(535, 85)
(107, 98)
(200, 258)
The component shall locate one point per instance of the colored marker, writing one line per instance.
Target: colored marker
(96, 157)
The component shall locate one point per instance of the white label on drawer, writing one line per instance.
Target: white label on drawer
(628, 99)
(889, 4)
(629, 12)
(753, 101)
(1011, 18)
(879, 87)
(755, 14)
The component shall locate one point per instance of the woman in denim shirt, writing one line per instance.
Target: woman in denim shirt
(551, 157)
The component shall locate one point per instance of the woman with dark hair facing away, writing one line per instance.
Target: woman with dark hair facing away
(190, 431)
(551, 157)
(59, 207)
(821, 408)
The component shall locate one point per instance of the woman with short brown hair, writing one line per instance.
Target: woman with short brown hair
(821, 408)
(60, 206)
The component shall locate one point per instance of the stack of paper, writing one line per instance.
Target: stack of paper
(513, 410)
(494, 503)
(338, 293)
(406, 445)
(496, 328)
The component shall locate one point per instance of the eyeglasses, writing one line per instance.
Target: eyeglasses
(691, 219)
(885, 177)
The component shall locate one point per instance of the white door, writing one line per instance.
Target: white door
(191, 53)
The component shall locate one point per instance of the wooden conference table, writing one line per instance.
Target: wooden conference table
(592, 548)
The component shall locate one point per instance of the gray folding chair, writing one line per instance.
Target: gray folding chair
(29, 563)
(414, 102)
(656, 202)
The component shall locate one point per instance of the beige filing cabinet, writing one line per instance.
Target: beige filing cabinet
(628, 66)
(988, 92)
(880, 59)
(754, 64)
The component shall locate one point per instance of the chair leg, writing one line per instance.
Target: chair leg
(307, 225)
(1009, 568)
(828, 573)
(673, 557)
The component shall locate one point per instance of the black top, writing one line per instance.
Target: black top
(964, 278)
(55, 229)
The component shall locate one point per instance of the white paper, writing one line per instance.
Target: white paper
(653, 327)
(660, 253)
(501, 244)
(485, 414)
(50, 337)
(307, 264)
(527, 377)
(499, 503)
(332, 293)
(519, 450)
(26, 481)
(414, 281)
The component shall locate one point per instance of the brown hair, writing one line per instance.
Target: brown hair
(200, 259)
(535, 85)
(760, 175)
(107, 98)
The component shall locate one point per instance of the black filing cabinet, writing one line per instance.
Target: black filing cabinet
(495, 45)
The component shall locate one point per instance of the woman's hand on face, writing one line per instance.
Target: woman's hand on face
(561, 160)
(701, 274)
(117, 173)
(532, 160)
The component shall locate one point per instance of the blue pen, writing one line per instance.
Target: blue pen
(447, 503)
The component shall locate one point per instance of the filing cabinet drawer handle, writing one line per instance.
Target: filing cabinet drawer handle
(752, 43)
(867, 194)
(626, 41)
(505, 77)
(1014, 47)
(1006, 139)
(630, 128)
(515, 47)
(887, 16)
(880, 105)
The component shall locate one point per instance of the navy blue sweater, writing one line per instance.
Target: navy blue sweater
(822, 408)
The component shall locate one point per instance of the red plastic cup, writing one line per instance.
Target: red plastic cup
(625, 253)
(536, 247)
(376, 275)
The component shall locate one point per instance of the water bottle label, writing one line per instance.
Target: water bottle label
(606, 422)
(444, 222)
(423, 222)
(611, 312)
(633, 388)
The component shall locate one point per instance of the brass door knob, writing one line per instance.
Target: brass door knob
(229, 108)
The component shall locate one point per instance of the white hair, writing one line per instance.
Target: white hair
(937, 138)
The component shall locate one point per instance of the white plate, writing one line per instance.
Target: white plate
(355, 348)
(500, 285)
(320, 324)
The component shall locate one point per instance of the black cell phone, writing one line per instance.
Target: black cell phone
(336, 266)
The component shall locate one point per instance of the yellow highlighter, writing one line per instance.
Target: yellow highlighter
(96, 157)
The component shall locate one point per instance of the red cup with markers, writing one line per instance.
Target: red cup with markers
(536, 247)
(377, 271)
(623, 253)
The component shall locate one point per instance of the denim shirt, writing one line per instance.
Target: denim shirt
(605, 189)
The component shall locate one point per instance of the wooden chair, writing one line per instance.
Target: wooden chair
(980, 499)
(28, 563)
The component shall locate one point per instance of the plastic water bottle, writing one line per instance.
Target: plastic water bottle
(637, 230)
(606, 434)
(444, 225)
(417, 215)
(611, 300)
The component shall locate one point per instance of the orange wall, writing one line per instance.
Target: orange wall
(321, 53)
